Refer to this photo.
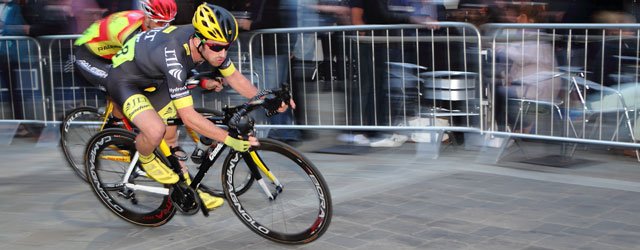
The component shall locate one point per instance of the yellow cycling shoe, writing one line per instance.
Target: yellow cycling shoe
(158, 171)
(210, 202)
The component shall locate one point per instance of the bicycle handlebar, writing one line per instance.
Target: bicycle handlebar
(238, 121)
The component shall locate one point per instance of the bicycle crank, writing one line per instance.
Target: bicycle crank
(185, 199)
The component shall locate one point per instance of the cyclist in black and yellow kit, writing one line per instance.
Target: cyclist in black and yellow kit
(163, 58)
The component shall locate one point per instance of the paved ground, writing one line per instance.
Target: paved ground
(386, 199)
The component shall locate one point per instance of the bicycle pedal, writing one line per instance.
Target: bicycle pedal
(130, 195)
(197, 155)
(185, 199)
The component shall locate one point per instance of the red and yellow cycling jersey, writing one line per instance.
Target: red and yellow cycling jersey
(106, 36)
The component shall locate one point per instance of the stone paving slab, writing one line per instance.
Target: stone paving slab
(392, 199)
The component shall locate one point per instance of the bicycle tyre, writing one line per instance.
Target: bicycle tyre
(106, 174)
(299, 214)
(76, 129)
(210, 185)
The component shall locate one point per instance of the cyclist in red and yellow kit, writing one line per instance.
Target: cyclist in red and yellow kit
(104, 38)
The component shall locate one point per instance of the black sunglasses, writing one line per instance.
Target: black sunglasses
(218, 47)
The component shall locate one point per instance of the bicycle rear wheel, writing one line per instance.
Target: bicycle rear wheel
(77, 127)
(136, 199)
(301, 210)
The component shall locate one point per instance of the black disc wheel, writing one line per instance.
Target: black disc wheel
(121, 185)
(77, 127)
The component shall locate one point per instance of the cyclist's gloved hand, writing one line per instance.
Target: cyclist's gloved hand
(237, 144)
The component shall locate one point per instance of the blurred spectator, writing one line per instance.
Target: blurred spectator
(531, 65)
(186, 8)
(12, 23)
(330, 12)
(616, 55)
(428, 10)
(86, 12)
(271, 55)
(51, 17)
(113, 6)
(477, 12)
(369, 105)
(312, 59)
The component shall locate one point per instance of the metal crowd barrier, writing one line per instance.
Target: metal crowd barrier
(573, 83)
(581, 88)
(22, 94)
(375, 77)
(68, 89)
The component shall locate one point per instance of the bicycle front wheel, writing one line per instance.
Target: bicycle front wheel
(119, 182)
(293, 207)
(77, 127)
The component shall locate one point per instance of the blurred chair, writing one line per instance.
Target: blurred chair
(536, 117)
(602, 104)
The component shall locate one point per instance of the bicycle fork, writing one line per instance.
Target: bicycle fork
(256, 165)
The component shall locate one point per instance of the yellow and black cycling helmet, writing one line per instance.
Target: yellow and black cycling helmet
(215, 23)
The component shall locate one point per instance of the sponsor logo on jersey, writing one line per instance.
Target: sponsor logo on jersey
(93, 70)
(173, 64)
(150, 34)
(178, 92)
(108, 47)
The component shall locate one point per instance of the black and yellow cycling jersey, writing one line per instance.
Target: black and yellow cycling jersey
(158, 58)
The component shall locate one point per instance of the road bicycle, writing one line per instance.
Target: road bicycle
(81, 123)
(293, 205)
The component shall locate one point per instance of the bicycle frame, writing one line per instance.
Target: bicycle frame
(253, 160)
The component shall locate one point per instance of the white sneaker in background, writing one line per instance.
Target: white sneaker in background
(396, 140)
(357, 139)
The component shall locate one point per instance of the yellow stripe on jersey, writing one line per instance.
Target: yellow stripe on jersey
(169, 29)
(186, 48)
(228, 71)
(183, 102)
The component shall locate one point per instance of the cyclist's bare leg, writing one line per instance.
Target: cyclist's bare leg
(171, 137)
(152, 130)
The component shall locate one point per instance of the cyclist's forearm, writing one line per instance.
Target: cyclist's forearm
(242, 85)
(201, 125)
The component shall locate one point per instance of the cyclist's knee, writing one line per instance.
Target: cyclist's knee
(154, 132)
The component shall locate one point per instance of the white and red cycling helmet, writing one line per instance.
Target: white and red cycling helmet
(159, 10)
